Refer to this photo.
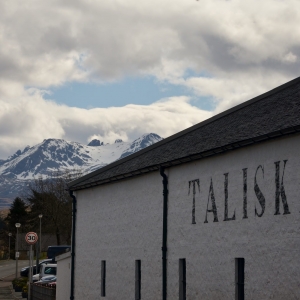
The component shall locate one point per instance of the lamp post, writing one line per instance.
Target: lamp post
(38, 246)
(9, 235)
(40, 237)
(18, 225)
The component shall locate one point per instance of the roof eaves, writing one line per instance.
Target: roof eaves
(190, 158)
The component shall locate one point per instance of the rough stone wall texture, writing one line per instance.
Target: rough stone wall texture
(122, 222)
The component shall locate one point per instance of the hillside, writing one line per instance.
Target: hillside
(52, 155)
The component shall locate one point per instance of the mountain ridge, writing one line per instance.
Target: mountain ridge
(54, 155)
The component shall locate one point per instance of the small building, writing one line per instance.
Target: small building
(63, 276)
(211, 212)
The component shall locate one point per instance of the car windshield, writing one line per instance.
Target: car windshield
(50, 270)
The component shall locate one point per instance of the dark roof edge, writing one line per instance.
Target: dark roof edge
(216, 151)
(190, 129)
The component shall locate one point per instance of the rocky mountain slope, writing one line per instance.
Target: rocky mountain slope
(53, 155)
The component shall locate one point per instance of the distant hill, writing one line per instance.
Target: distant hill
(53, 155)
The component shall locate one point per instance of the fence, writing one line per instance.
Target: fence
(41, 292)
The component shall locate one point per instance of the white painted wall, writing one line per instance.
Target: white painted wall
(119, 223)
(122, 222)
(63, 283)
(269, 244)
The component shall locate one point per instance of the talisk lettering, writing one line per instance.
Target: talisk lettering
(279, 194)
(211, 196)
(280, 191)
(245, 193)
(194, 182)
(226, 200)
(260, 197)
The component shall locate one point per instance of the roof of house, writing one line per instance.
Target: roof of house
(267, 116)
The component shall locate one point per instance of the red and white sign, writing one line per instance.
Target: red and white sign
(31, 238)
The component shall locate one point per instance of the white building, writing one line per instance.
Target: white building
(63, 276)
(230, 229)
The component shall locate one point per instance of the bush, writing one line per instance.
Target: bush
(25, 289)
(20, 282)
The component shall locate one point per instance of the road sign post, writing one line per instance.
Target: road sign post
(31, 238)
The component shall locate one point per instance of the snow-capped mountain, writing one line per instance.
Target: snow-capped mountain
(56, 155)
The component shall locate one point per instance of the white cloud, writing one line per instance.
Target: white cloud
(231, 90)
(290, 57)
(32, 119)
(243, 48)
(51, 42)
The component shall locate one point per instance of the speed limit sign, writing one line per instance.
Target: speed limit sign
(31, 238)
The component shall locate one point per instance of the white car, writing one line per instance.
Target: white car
(47, 279)
(46, 269)
(35, 277)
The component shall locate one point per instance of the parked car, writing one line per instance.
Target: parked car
(47, 280)
(56, 250)
(36, 278)
(25, 271)
(46, 269)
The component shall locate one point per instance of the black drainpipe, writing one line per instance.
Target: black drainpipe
(73, 245)
(165, 232)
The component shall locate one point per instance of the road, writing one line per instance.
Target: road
(8, 267)
(7, 274)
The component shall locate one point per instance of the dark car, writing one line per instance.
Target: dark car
(25, 271)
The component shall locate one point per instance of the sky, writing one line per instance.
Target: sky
(116, 69)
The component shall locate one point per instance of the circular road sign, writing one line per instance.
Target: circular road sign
(31, 238)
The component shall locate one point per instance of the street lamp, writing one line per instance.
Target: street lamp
(40, 237)
(9, 235)
(18, 225)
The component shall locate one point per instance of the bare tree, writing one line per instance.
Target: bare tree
(50, 198)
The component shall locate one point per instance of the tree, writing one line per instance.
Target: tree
(17, 214)
(50, 198)
(2, 224)
(3, 235)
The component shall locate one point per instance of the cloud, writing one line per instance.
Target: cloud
(51, 42)
(32, 119)
(228, 51)
(231, 90)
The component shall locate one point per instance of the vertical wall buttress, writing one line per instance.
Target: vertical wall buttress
(73, 245)
(165, 232)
